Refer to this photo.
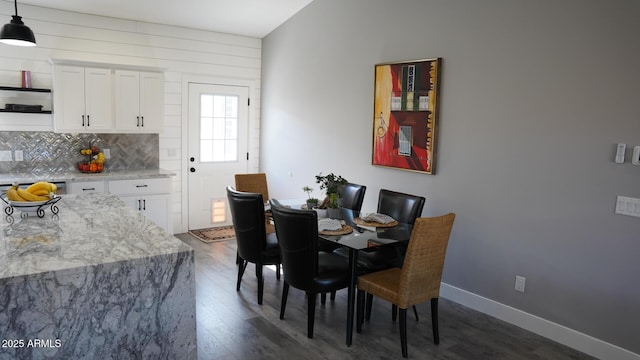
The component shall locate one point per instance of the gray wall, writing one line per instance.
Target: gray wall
(534, 97)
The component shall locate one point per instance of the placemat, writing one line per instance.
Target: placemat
(374, 224)
(346, 229)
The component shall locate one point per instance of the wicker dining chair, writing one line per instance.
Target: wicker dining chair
(419, 278)
(253, 183)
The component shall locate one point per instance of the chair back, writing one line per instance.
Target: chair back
(351, 196)
(403, 207)
(423, 263)
(253, 183)
(297, 232)
(247, 214)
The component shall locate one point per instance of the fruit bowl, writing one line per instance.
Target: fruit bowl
(90, 167)
(30, 207)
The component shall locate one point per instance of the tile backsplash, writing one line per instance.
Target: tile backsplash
(47, 152)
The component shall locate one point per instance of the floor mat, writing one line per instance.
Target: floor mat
(214, 234)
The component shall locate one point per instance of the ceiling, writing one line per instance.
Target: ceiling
(255, 18)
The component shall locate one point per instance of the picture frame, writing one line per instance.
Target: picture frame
(405, 115)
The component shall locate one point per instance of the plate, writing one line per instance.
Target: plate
(26, 204)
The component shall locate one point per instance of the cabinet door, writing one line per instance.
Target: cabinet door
(98, 99)
(152, 102)
(153, 207)
(127, 101)
(156, 208)
(68, 98)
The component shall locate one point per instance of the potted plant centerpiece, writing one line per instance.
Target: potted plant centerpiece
(311, 201)
(331, 183)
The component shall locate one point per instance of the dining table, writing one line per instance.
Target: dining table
(363, 238)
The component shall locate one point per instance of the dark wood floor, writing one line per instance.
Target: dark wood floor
(231, 325)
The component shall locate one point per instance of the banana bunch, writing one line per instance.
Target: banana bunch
(40, 191)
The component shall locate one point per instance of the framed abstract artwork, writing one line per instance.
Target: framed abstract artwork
(405, 115)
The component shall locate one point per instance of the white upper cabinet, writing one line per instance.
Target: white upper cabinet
(105, 98)
(139, 101)
(82, 99)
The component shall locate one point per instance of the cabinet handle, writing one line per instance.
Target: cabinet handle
(88, 189)
(144, 204)
(88, 123)
(142, 119)
(141, 186)
(139, 208)
(138, 121)
(82, 120)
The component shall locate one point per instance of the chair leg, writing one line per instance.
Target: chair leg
(242, 265)
(360, 311)
(311, 313)
(368, 307)
(394, 312)
(278, 271)
(283, 302)
(333, 295)
(434, 321)
(260, 278)
(323, 298)
(403, 331)
(415, 312)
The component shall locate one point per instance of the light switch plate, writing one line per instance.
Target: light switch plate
(635, 158)
(628, 206)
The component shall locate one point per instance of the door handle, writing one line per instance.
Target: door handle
(192, 169)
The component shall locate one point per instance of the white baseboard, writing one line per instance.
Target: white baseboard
(556, 332)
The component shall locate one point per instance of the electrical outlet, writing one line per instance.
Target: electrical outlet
(5, 155)
(18, 155)
(520, 283)
(107, 153)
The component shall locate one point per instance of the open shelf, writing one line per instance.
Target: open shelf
(26, 112)
(12, 88)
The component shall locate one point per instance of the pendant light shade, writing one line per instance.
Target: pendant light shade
(16, 32)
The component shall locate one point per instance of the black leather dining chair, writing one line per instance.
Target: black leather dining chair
(403, 207)
(352, 196)
(254, 244)
(304, 266)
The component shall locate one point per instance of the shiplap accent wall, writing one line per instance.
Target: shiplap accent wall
(181, 52)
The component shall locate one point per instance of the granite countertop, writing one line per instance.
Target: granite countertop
(89, 229)
(78, 176)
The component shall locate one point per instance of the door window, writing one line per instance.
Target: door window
(218, 128)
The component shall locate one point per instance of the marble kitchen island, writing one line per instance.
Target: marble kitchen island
(96, 281)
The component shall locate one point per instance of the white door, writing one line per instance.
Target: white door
(218, 137)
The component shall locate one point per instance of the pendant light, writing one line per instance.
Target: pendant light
(16, 32)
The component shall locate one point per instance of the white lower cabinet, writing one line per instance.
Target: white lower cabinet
(154, 207)
(152, 197)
